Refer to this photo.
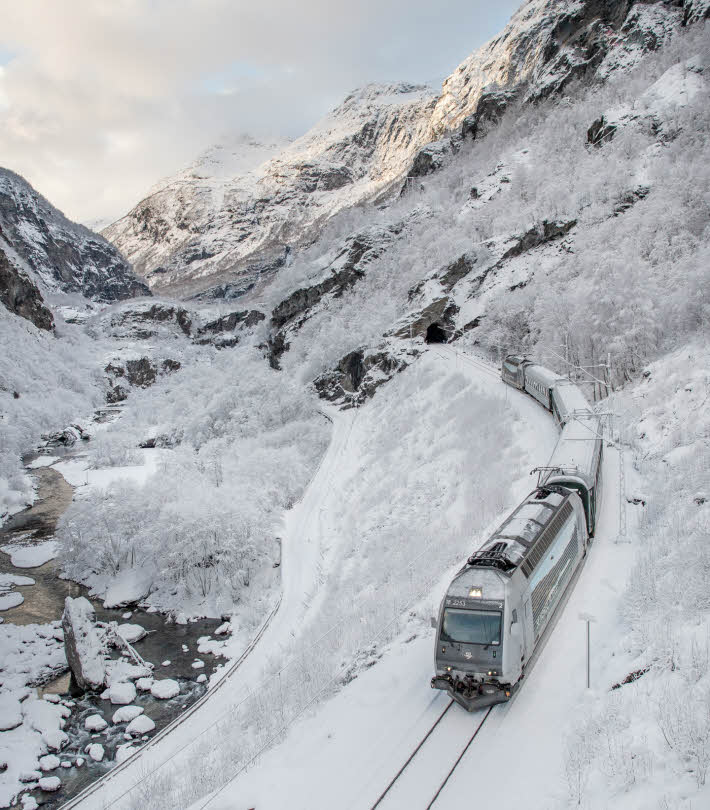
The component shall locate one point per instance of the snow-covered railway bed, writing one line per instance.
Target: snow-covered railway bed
(432, 762)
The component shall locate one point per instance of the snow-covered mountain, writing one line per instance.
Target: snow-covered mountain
(61, 256)
(227, 219)
(216, 218)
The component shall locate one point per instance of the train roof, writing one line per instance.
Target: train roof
(543, 375)
(576, 450)
(569, 398)
(489, 581)
(514, 539)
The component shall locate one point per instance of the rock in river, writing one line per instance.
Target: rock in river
(84, 643)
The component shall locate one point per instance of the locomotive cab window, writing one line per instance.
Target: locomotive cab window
(471, 626)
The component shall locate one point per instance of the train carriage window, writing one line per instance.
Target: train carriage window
(471, 626)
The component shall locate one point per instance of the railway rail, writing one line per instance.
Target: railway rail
(440, 737)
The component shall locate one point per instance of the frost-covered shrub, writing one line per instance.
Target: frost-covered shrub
(246, 442)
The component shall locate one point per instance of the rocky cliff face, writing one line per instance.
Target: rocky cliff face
(205, 228)
(21, 296)
(61, 255)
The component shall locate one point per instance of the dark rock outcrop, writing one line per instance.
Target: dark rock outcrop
(21, 296)
(84, 643)
(539, 235)
(65, 256)
(359, 374)
(222, 331)
(454, 272)
(695, 11)
(307, 297)
(228, 323)
(441, 312)
(600, 131)
(158, 314)
(629, 199)
(141, 373)
(489, 111)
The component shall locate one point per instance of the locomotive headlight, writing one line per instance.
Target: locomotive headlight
(476, 593)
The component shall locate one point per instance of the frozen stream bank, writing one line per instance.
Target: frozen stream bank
(34, 678)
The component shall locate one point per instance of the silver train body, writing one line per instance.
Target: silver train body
(499, 604)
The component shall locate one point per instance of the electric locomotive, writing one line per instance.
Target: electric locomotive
(498, 605)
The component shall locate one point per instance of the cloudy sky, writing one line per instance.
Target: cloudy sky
(101, 98)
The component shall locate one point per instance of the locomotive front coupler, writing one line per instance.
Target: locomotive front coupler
(472, 696)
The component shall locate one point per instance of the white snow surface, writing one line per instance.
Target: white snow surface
(32, 556)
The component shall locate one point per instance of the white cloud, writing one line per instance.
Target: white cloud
(100, 99)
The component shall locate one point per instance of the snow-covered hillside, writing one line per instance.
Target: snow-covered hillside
(227, 221)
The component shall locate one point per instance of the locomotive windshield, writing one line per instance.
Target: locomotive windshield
(471, 626)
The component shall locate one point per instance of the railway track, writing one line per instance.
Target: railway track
(447, 740)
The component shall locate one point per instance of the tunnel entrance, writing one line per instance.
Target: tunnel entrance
(435, 334)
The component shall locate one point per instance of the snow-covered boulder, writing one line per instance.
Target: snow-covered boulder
(123, 752)
(120, 670)
(132, 632)
(11, 600)
(122, 693)
(165, 689)
(50, 783)
(84, 643)
(95, 751)
(126, 713)
(95, 722)
(140, 725)
(50, 762)
(144, 684)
